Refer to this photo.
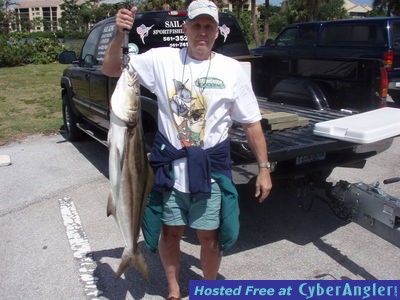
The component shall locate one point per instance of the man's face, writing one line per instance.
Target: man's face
(201, 33)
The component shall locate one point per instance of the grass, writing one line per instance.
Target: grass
(30, 101)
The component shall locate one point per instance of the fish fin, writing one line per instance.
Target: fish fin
(110, 205)
(135, 260)
(114, 167)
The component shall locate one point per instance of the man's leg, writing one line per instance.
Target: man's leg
(169, 248)
(210, 256)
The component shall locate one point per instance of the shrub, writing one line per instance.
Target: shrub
(45, 51)
(16, 50)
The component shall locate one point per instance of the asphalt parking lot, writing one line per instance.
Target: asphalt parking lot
(57, 242)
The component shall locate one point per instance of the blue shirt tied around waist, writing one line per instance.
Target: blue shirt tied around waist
(203, 165)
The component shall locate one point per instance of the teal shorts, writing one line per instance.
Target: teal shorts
(180, 209)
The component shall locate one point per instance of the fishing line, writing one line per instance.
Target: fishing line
(203, 86)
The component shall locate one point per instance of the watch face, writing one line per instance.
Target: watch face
(265, 165)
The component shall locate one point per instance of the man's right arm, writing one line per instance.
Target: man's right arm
(112, 59)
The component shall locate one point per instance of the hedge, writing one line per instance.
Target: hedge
(32, 48)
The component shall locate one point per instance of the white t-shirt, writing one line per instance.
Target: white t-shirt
(197, 100)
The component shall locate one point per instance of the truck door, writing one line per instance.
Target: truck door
(305, 42)
(98, 97)
(284, 43)
(96, 106)
(275, 63)
(291, 44)
(81, 81)
(98, 81)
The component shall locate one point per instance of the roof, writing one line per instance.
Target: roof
(41, 3)
(352, 6)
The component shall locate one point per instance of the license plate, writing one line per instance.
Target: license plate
(304, 159)
(397, 84)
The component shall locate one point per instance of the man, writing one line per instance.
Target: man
(199, 93)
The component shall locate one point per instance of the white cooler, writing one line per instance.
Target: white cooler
(362, 128)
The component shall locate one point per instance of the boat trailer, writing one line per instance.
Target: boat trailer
(369, 206)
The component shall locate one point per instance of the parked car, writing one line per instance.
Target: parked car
(351, 38)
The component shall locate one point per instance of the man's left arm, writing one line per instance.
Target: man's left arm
(258, 145)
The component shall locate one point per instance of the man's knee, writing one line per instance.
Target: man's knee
(172, 233)
(208, 239)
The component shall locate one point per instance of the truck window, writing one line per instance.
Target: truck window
(353, 34)
(287, 37)
(306, 36)
(107, 34)
(89, 48)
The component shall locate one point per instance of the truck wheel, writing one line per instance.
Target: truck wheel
(72, 132)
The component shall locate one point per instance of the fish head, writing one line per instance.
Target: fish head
(125, 100)
(133, 99)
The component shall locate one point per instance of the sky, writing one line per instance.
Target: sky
(277, 2)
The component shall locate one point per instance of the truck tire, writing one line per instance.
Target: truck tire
(71, 131)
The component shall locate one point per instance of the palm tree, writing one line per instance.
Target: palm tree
(254, 22)
(266, 20)
(389, 7)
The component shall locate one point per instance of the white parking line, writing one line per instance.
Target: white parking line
(80, 246)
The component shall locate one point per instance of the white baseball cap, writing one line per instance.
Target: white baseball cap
(203, 8)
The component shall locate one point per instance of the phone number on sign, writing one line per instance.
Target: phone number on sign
(177, 38)
(178, 45)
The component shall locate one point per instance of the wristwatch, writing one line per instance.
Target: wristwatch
(266, 165)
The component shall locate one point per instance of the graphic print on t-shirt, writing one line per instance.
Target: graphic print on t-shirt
(188, 110)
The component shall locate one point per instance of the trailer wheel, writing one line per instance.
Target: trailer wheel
(71, 131)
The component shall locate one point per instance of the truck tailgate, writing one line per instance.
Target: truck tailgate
(292, 143)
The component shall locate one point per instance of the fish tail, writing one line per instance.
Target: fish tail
(133, 259)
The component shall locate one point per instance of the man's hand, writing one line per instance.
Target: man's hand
(263, 185)
(125, 18)
(112, 59)
(258, 145)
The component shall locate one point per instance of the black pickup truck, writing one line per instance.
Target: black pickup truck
(295, 152)
(303, 45)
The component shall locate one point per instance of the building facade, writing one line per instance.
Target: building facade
(41, 15)
(356, 10)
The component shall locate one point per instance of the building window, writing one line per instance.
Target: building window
(23, 23)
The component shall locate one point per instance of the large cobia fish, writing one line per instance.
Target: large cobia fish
(130, 174)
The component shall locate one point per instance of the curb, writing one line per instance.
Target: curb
(5, 160)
